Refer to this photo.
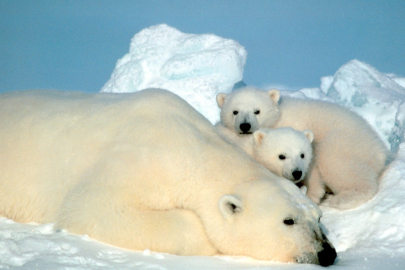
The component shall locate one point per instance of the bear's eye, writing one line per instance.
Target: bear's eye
(282, 157)
(289, 221)
(235, 112)
(302, 155)
(257, 111)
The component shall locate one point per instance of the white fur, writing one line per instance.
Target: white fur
(349, 156)
(147, 171)
(237, 109)
(284, 151)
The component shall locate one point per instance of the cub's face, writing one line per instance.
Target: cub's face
(268, 221)
(246, 110)
(284, 151)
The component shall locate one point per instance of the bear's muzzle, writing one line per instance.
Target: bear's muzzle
(325, 256)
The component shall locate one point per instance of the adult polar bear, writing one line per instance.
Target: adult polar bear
(348, 155)
(145, 170)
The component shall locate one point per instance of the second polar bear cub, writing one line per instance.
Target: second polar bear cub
(349, 156)
(284, 151)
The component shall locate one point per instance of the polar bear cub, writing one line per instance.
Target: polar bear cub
(243, 113)
(349, 156)
(284, 151)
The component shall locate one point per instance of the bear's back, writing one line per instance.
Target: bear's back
(51, 142)
(60, 137)
(333, 122)
(319, 116)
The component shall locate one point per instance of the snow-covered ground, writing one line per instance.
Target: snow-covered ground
(197, 67)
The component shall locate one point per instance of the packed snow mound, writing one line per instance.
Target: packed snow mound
(358, 83)
(375, 96)
(196, 67)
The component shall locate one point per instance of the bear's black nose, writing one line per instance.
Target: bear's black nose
(245, 127)
(297, 174)
(328, 255)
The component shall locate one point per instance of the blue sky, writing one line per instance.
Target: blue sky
(74, 45)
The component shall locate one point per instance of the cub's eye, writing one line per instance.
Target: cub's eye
(235, 112)
(257, 111)
(302, 155)
(289, 221)
(281, 157)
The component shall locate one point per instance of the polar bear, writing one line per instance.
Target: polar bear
(147, 171)
(242, 113)
(349, 156)
(284, 151)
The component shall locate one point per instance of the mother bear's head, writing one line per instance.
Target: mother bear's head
(272, 220)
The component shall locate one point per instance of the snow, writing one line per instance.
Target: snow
(197, 67)
(372, 94)
(189, 65)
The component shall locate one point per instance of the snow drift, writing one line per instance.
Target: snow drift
(197, 67)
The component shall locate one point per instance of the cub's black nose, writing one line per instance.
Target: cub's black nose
(297, 175)
(245, 127)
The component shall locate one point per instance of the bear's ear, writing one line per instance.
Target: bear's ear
(221, 99)
(309, 135)
(274, 95)
(230, 205)
(258, 136)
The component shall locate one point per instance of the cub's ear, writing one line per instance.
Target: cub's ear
(230, 205)
(309, 135)
(274, 95)
(221, 99)
(258, 136)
